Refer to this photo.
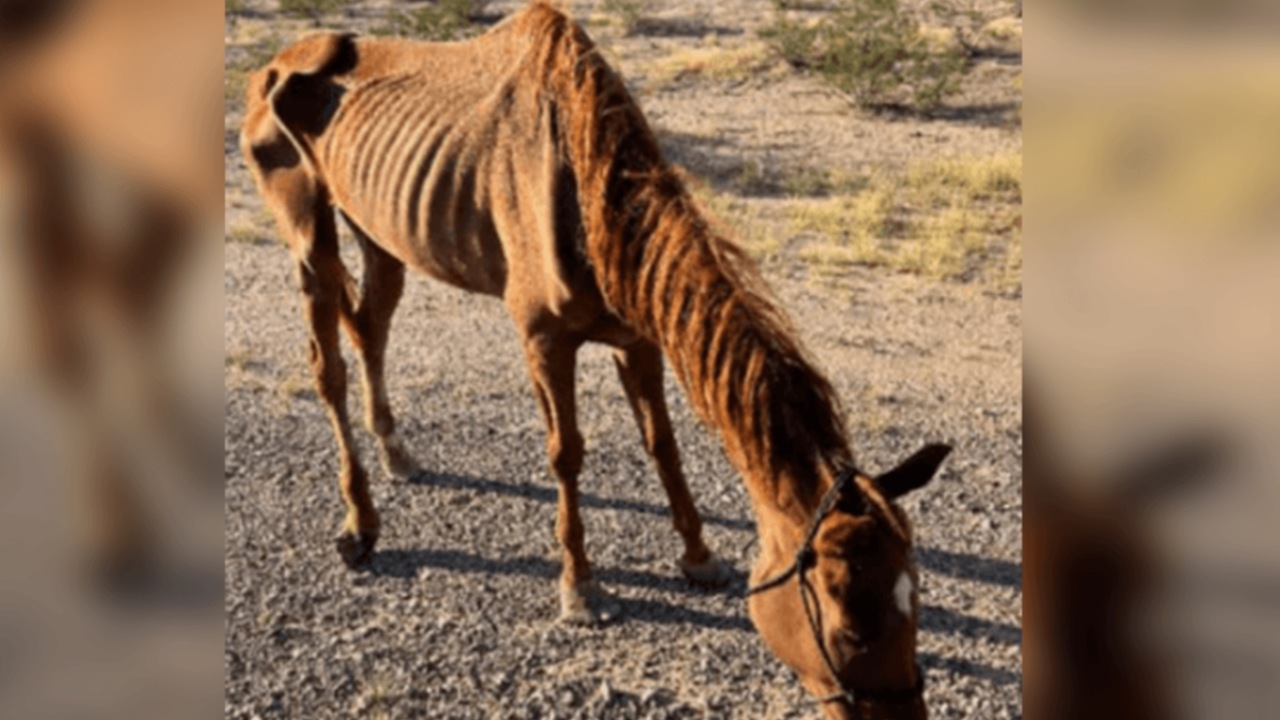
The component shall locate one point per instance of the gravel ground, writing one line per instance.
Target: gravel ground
(455, 617)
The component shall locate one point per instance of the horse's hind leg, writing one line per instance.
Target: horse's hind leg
(551, 363)
(369, 324)
(322, 278)
(640, 368)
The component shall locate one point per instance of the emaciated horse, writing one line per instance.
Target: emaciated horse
(517, 165)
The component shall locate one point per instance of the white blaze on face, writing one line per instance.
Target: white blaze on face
(902, 593)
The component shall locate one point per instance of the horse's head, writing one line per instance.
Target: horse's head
(841, 611)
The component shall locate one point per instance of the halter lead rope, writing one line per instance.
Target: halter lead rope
(805, 557)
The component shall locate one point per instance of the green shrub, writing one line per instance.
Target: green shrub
(311, 8)
(871, 51)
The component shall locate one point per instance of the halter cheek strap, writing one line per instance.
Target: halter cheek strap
(805, 557)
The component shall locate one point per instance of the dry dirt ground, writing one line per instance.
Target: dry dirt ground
(455, 618)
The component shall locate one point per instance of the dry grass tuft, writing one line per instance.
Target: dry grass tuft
(311, 8)
(238, 360)
(941, 181)
(254, 52)
(735, 219)
(940, 39)
(942, 244)
(848, 225)
(1006, 31)
(954, 218)
(247, 234)
(626, 13)
(716, 63)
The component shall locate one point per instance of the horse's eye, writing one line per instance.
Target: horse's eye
(867, 617)
(852, 642)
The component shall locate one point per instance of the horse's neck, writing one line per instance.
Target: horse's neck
(783, 514)
(780, 535)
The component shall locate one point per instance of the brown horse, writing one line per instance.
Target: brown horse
(517, 165)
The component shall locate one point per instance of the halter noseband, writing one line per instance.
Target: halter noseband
(805, 556)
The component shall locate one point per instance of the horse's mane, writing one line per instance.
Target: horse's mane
(662, 269)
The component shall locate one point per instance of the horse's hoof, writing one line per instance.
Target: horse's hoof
(400, 467)
(396, 461)
(587, 605)
(356, 549)
(711, 574)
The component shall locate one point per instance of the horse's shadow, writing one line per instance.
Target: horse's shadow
(992, 571)
(544, 494)
(408, 563)
(944, 562)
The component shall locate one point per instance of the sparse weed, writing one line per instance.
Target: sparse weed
(255, 56)
(311, 8)
(868, 214)
(376, 699)
(246, 235)
(1011, 276)
(237, 360)
(263, 217)
(947, 219)
(829, 258)
(754, 234)
(751, 178)
(942, 245)
(1004, 30)
(844, 180)
(934, 183)
(849, 227)
(447, 20)
(806, 182)
(627, 12)
(234, 83)
(971, 25)
(872, 51)
(714, 62)
(731, 217)
(297, 387)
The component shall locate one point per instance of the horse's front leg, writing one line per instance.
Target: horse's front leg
(551, 361)
(640, 369)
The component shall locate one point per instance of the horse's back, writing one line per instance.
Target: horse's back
(444, 154)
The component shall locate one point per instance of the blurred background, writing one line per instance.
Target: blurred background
(110, 400)
(1152, 290)
(1153, 208)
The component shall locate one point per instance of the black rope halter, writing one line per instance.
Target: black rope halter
(805, 557)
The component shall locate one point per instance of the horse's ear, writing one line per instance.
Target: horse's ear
(914, 472)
